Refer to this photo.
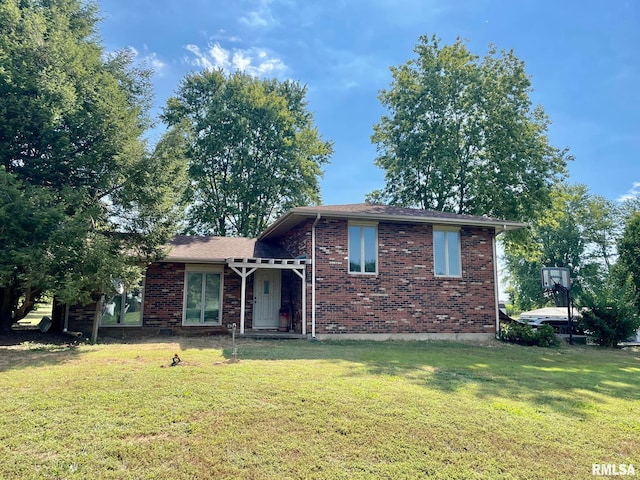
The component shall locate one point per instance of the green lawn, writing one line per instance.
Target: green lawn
(298, 409)
(34, 317)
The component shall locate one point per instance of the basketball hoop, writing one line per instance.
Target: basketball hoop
(555, 277)
(559, 279)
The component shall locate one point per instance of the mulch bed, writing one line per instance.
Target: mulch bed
(20, 336)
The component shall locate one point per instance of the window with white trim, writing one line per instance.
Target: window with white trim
(202, 297)
(363, 249)
(446, 253)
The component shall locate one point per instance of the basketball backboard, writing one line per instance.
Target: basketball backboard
(554, 277)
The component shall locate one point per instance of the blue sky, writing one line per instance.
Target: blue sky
(583, 58)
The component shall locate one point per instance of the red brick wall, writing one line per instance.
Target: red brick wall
(81, 318)
(405, 296)
(231, 300)
(163, 302)
(164, 297)
(298, 242)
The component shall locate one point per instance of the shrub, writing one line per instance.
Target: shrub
(609, 325)
(546, 337)
(522, 334)
(517, 333)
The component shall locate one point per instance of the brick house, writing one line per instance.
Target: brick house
(347, 271)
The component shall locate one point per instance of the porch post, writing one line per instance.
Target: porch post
(243, 290)
(304, 303)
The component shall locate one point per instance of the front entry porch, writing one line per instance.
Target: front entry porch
(273, 335)
(267, 293)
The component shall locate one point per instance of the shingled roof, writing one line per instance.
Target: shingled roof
(377, 212)
(199, 249)
(191, 248)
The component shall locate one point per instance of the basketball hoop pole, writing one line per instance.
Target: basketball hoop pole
(566, 290)
(570, 318)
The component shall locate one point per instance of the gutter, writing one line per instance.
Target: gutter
(66, 318)
(462, 222)
(313, 276)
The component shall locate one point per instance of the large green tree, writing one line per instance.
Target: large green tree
(613, 313)
(579, 231)
(462, 135)
(252, 148)
(84, 203)
(629, 255)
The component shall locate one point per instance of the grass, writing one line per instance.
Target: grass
(34, 317)
(297, 409)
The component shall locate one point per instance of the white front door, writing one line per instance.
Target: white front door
(266, 298)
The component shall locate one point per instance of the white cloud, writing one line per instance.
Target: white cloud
(253, 61)
(219, 55)
(158, 66)
(261, 17)
(634, 192)
(150, 60)
(240, 61)
(255, 19)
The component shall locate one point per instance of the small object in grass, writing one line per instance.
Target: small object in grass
(176, 360)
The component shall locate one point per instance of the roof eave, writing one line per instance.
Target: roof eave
(504, 225)
(280, 221)
(500, 226)
(192, 260)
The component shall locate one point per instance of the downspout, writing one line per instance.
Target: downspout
(66, 323)
(313, 276)
(496, 288)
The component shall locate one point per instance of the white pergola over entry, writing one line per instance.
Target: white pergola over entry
(246, 266)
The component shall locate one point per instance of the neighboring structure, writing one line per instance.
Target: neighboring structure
(353, 271)
(557, 317)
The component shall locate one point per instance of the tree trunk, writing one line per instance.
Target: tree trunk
(6, 311)
(5, 323)
(96, 319)
(57, 316)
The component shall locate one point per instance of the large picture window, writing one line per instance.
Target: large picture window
(203, 298)
(446, 249)
(363, 249)
(123, 309)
